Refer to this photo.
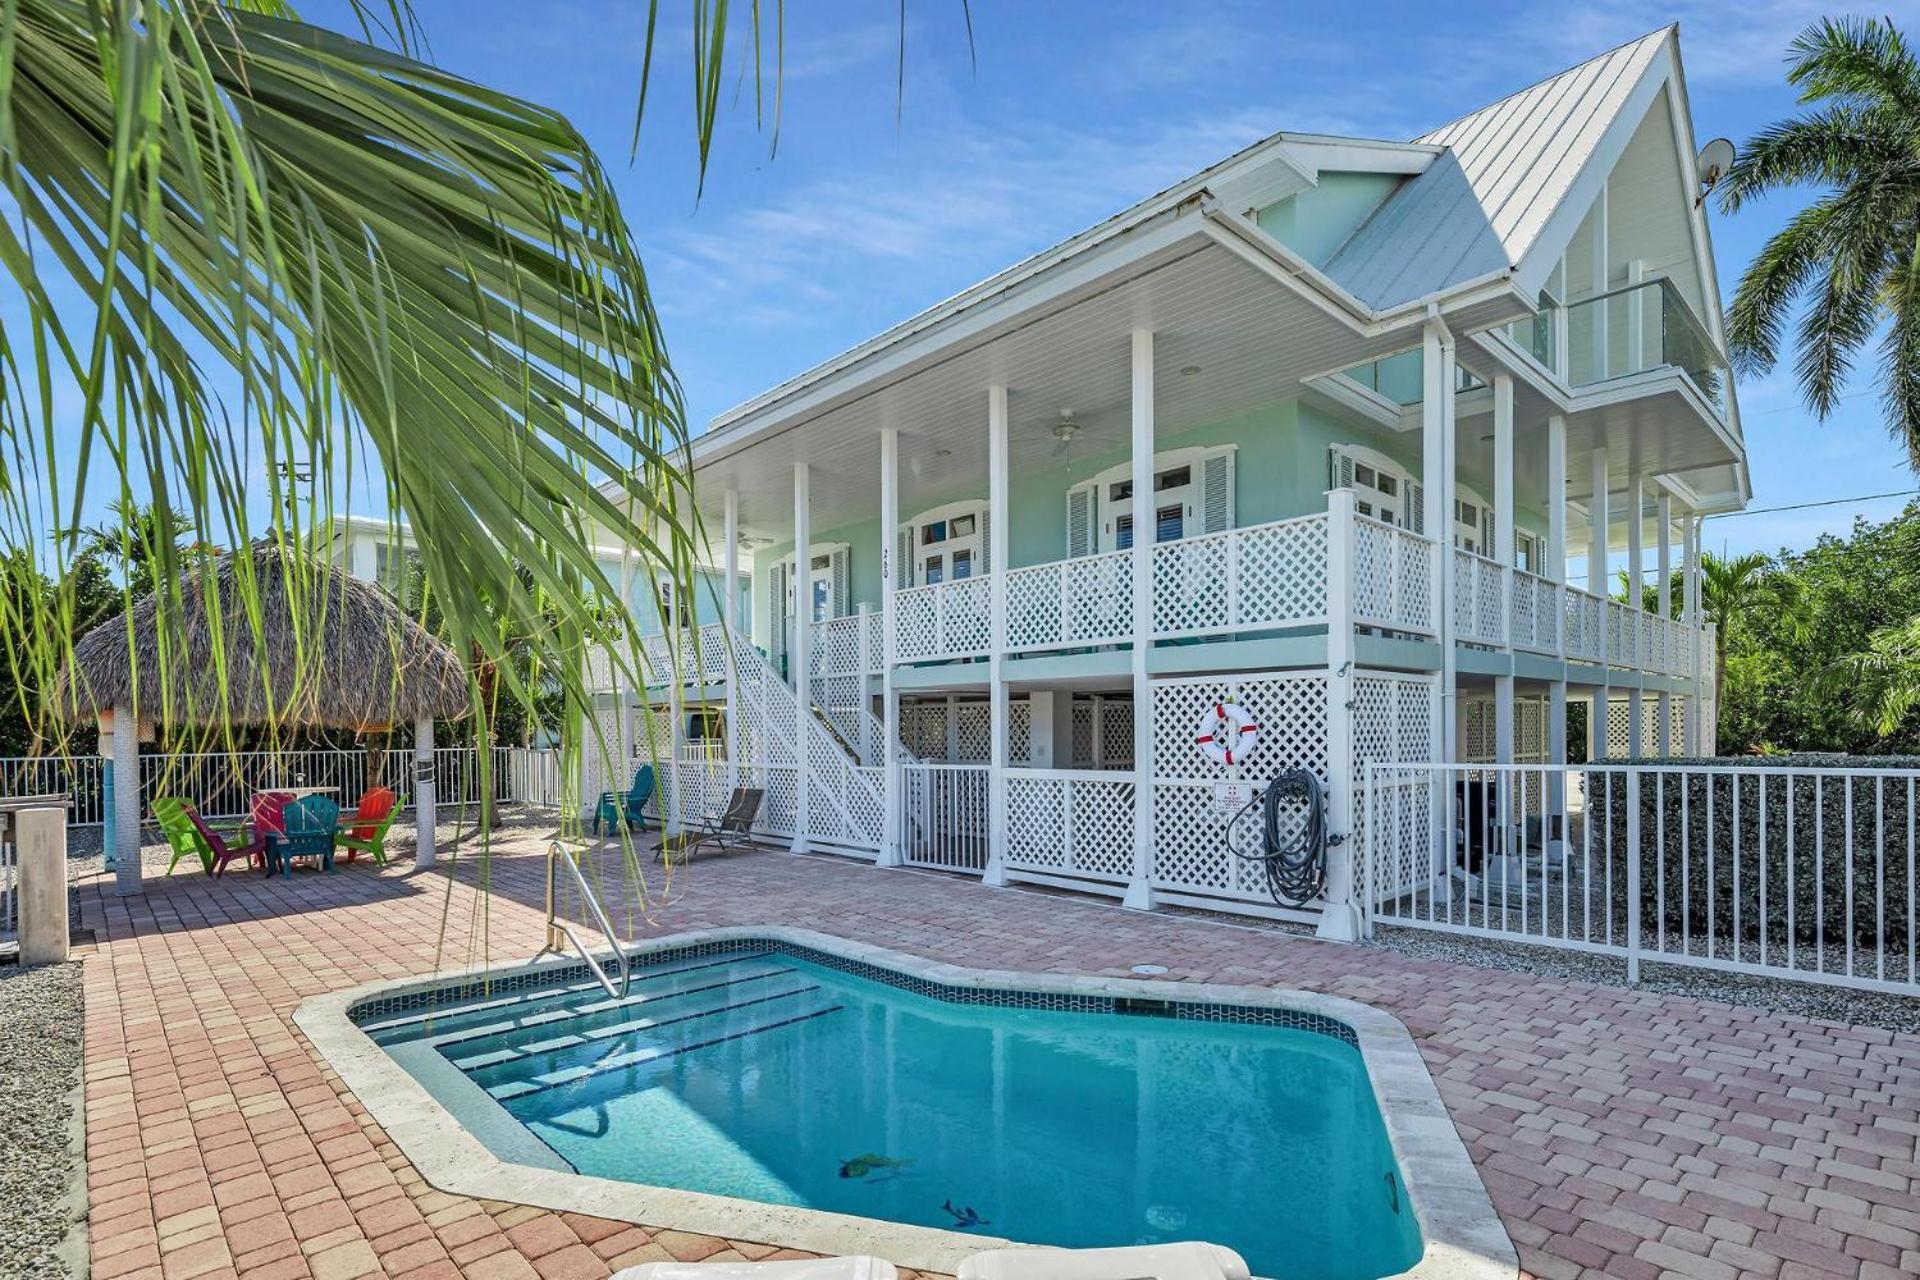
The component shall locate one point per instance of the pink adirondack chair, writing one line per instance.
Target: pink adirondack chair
(266, 819)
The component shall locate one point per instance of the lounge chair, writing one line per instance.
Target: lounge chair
(615, 808)
(312, 824)
(366, 830)
(182, 836)
(728, 829)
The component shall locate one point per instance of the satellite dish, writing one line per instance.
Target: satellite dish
(1714, 161)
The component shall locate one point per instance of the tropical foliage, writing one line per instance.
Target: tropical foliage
(1846, 262)
(1819, 645)
(272, 274)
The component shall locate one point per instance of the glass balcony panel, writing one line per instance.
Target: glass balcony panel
(1640, 327)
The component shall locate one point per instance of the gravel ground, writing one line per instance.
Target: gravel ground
(40, 1037)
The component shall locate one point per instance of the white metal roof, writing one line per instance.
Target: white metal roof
(1507, 167)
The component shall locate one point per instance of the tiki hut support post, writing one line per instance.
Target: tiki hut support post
(424, 813)
(124, 731)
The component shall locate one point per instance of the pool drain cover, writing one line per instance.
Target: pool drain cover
(1149, 970)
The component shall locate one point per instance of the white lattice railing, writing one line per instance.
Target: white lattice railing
(1260, 576)
(1479, 599)
(1535, 613)
(1392, 577)
(943, 620)
(1066, 603)
(851, 645)
(1072, 822)
(944, 816)
(1585, 621)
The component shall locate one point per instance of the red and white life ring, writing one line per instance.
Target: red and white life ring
(1227, 733)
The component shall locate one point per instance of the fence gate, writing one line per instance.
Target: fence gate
(944, 816)
(1782, 871)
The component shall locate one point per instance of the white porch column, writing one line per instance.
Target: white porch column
(1636, 598)
(996, 873)
(1502, 553)
(730, 615)
(891, 854)
(1437, 444)
(426, 813)
(1599, 520)
(797, 655)
(120, 741)
(1556, 571)
(1340, 920)
(1663, 726)
(1139, 889)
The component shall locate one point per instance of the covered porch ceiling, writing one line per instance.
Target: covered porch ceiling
(1229, 337)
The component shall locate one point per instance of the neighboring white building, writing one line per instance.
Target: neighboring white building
(1372, 398)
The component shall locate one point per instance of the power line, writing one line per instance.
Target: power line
(1803, 506)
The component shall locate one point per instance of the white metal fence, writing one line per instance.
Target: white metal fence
(222, 784)
(1785, 871)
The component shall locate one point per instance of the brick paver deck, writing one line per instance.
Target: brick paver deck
(1621, 1134)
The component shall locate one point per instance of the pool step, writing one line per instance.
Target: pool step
(564, 1035)
(693, 1033)
(590, 1015)
(506, 1011)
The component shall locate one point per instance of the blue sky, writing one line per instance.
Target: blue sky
(878, 204)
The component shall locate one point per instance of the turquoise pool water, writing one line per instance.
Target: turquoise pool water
(768, 1076)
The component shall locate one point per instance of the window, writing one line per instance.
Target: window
(1169, 522)
(1172, 479)
(933, 531)
(962, 565)
(1120, 491)
(934, 569)
(1123, 533)
(963, 526)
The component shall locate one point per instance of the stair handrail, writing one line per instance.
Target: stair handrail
(561, 930)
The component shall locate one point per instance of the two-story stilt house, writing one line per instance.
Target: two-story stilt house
(1317, 431)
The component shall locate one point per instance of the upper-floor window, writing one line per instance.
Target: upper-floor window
(1192, 494)
(942, 544)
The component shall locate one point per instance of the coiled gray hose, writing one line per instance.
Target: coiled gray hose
(1296, 866)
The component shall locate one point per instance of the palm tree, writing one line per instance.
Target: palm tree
(1849, 254)
(1883, 680)
(296, 253)
(1730, 589)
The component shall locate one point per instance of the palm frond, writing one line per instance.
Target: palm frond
(1855, 58)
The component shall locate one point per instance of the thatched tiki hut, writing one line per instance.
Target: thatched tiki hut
(285, 641)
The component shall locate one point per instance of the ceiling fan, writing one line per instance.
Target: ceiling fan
(1065, 432)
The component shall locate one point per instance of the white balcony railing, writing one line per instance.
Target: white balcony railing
(1479, 599)
(943, 620)
(1534, 612)
(854, 645)
(1260, 576)
(1066, 603)
(1585, 621)
(1392, 577)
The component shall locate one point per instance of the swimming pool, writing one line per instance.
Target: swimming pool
(759, 1071)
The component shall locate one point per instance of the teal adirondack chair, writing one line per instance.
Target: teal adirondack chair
(615, 808)
(311, 826)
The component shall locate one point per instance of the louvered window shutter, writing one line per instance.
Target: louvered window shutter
(903, 557)
(777, 610)
(837, 567)
(1216, 493)
(1339, 468)
(1080, 521)
(1416, 506)
(986, 544)
(1486, 529)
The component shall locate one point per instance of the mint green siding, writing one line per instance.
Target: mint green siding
(1316, 222)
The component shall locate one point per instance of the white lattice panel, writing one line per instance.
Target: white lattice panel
(1036, 606)
(1077, 825)
(916, 624)
(1392, 724)
(1392, 577)
(1259, 576)
(1082, 725)
(1019, 730)
(1190, 841)
(975, 732)
(1116, 734)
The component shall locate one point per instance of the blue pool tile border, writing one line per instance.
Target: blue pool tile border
(455, 990)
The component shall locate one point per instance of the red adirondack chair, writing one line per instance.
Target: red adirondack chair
(367, 828)
(266, 819)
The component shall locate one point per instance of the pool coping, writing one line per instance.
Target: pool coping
(1463, 1236)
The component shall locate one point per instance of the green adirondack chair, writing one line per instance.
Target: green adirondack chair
(365, 829)
(172, 813)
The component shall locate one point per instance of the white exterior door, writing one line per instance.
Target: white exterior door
(1192, 494)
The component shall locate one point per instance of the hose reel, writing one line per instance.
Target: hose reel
(1289, 822)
